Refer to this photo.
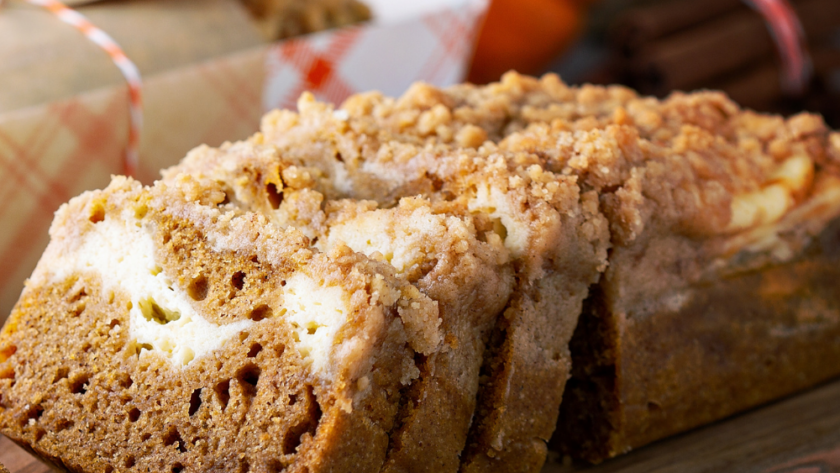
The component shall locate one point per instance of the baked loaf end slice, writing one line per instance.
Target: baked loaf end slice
(716, 298)
(166, 330)
(724, 225)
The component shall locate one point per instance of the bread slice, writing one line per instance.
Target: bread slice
(441, 253)
(723, 193)
(724, 231)
(693, 238)
(166, 330)
(554, 237)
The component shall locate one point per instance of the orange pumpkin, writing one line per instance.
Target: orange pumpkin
(524, 35)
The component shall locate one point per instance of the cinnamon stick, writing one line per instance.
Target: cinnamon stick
(698, 55)
(758, 88)
(641, 25)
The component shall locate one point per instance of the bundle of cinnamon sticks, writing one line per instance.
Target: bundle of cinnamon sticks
(721, 44)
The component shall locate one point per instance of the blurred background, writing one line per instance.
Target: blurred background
(211, 68)
(657, 46)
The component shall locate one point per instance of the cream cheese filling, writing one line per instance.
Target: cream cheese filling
(317, 313)
(161, 317)
(498, 206)
(771, 202)
(377, 232)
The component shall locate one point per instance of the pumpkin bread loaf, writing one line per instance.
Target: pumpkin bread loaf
(407, 284)
(535, 223)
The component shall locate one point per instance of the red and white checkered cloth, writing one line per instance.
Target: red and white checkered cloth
(390, 57)
(53, 152)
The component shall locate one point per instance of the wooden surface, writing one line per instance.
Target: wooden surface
(800, 434)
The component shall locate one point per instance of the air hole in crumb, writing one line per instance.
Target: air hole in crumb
(294, 436)
(77, 310)
(500, 229)
(109, 469)
(79, 295)
(177, 468)
(130, 462)
(173, 437)
(134, 415)
(97, 213)
(7, 351)
(275, 197)
(145, 437)
(223, 393)
(114, 323)
(195, 401)
(198, 288)
(39, 434)
(238, 280)
(61, 373)
(125, 381)
(78, 384)
(279, 350)
(260, 312)
(63, 424)
(255, 259)
(248, 377)
(143, 346)
(35, 412)
(653, 407)
(292, 399)
(283, 283)
(274, 466)
(243, 336)
(255, 350)
(153, 312)
(244, 466)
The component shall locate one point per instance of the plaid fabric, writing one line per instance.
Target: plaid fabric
(47, 155)
(51, 153)
(389, 58)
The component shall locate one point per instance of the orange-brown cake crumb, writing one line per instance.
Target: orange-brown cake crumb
(534, 220)
(694, 188)
(407, 284)
(166, 330)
